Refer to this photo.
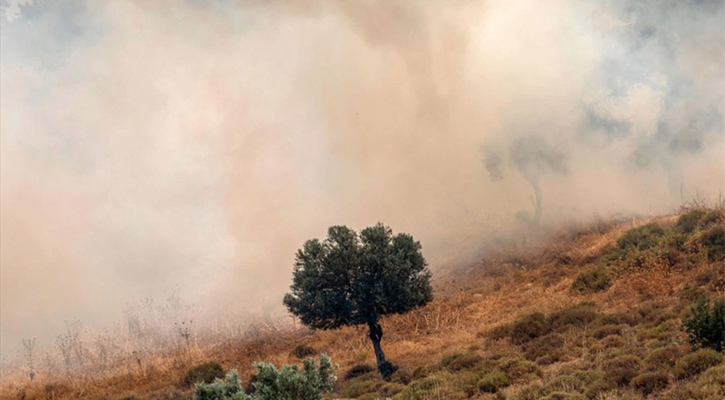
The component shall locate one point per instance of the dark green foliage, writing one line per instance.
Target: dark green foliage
(591, 281)
(713, 240)
(650, 382)
(528, 328)
(706, 326)
(358, 370)
(491, 383)
(621, 370)
(697, 362)
(579, 315)
(549, 346)
(206, 373)
(689, 222)
(352, 280)
(641, 238)
(303, 351)
(699, 219)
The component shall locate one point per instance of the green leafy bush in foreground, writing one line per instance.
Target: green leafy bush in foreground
(706, 326)
(272, 384)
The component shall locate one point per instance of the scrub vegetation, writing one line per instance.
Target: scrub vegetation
(619, 310)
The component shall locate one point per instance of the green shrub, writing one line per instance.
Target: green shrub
(288, 383)
(303, 351)
(206, 373)
(227, 389)
(403, 376)
(358, 370)
(706, 326)
(713, 240)
(390, 389)
(650, 382)
(491, 383)
(663, 357)
(689, 222)
(519, 370)
(591, 281)
(620, 370)
(578, 315)
(432, 387)
(356, 388)
(528, 328)
(461, 362)
(641, 238)
(697, 362)
(549, 345)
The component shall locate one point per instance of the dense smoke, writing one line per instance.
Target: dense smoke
(153, 145)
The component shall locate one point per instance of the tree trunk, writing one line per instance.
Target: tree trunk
(376, 334)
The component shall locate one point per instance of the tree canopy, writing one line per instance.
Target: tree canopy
(351, 279)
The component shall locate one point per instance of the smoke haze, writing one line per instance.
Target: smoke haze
(152, 145)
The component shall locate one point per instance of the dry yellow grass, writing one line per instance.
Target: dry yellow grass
(469, 301)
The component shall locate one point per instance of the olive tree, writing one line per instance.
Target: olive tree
(351, 279)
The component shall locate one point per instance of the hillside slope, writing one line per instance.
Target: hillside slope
(595, 312)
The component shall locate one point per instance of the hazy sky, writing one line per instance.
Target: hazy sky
(153, 145)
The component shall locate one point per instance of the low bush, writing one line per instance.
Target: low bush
(290, 382)
(621, 370)
(304, 351)
(435, 386)
(491, 383)
(550, 345)
(706, 326)
(664, 357)
(713, 240)
(462, 361)
(695, 363)
(358, 387)
(519, 370)
(528, 328)
(607, 330)
(689, 222)
(650, 382)
(641, 238)
(358, 370)
(206, 373)
(591, 281)
(578, 315)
